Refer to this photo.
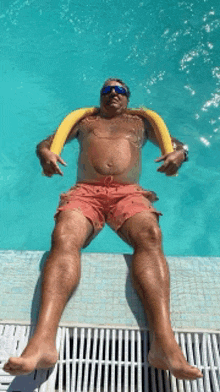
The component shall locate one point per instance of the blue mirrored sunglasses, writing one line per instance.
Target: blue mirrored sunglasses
(118, 90)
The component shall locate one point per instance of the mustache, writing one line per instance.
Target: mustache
(111, 97)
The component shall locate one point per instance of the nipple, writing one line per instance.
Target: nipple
(135, 139)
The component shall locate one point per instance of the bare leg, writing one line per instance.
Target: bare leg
(60, 278)
(151, 279)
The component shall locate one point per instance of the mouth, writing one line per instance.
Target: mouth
(112, 100)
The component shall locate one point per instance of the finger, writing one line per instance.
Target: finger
(171, 172)
(166, 167)
(174, 173)
(48, 173)
(169, 169)
(49, 169)
(160, 158)
(61, 160)
(162, 168)
(57, 169)
(172, 168)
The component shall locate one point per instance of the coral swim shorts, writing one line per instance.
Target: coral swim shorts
(107, 201)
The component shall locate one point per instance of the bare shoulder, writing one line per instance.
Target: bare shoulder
(82, 125)
(90, 119)
(134, 119)
(144, 123)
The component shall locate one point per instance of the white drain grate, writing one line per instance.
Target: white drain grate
(110, 360)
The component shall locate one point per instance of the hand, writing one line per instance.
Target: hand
(49, 163)
(172, 162)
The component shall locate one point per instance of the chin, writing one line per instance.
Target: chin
(114, 104)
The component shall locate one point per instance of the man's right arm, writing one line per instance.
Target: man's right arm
(48, 159)
(44, 145)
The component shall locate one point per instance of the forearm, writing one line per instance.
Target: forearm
(48, 159)
(44, 145)
(179, 146)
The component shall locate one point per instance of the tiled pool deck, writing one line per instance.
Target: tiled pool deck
(105, 295)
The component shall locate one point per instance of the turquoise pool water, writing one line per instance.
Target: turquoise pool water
(55, 57)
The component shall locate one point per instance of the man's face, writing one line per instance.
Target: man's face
(113, 103)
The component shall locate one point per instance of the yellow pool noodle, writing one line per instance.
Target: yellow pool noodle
(160, 129)
(66, 125)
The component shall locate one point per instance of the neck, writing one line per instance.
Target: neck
(111, 112)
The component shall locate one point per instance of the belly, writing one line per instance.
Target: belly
(111, 157)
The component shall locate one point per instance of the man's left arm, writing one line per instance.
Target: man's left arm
(173, 160)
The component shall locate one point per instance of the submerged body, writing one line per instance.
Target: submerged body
(109, 159)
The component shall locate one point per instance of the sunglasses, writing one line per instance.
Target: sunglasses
(118, 90)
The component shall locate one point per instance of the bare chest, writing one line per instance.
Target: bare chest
(95, 128)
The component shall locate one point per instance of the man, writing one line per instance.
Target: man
(107, 190)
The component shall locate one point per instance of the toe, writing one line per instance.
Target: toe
(199, 373)
(15, 363)
(17, 366)
(189, 374)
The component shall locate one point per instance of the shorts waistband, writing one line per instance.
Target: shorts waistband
(105, 181)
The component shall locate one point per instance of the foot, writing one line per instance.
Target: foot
(166, 354)
(38, 354)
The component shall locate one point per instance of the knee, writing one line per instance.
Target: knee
(65, 256)
(64, 240)
(149, 236)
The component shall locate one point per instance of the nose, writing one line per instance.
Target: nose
(113, 91)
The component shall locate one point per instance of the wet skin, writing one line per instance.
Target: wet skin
(110, 144)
